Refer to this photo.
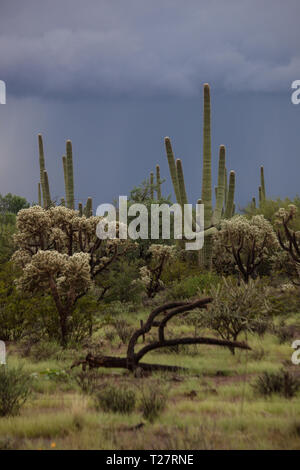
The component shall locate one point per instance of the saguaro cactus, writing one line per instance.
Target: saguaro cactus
(158, 182)
(39, 194)
(224, 197)
(172, 167)
(230, 199)
(42, 167)
(262, 183)
(88, 210)
(47, 202)
(206, 194)
(70, 176)
(152, 185)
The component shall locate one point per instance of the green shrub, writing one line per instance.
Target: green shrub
(282, 383)
(153, 402)
(44, 350)
(236, 308)
(190, 287)
(178, 270)
(15, 388)
(117, 400)
(123, 329)
(120, 285)
(88, 381)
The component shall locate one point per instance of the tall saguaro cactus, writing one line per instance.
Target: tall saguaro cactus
(206, 194)
(42, 168)
(70, 176)
(262, 184)
(224, 195)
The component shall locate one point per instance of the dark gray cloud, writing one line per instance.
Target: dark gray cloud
(88, 48)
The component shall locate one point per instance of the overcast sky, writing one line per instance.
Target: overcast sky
(116, 76)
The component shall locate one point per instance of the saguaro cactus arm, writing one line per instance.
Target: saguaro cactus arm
(172, 167)
(220, 188)
(181, 184)
(158, 182)
(230, 200)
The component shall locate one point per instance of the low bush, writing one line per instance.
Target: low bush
(153, 402)
(236, 308)
(15, 388)
(117, 400)
(44, 350)
(190, 286)
(282, 383)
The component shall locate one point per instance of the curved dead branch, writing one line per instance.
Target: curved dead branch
(169, 310)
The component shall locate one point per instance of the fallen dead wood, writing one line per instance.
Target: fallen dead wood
(132, 360)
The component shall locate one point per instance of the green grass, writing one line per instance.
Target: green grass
(211, 406)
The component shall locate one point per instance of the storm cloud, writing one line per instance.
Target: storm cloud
(116, 76)
(76, 48)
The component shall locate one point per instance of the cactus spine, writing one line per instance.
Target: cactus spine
(70, 176)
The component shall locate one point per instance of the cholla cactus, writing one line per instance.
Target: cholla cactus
(236, 308)
(288, 238)
(247, 243)
(150, 275)
(59, 252)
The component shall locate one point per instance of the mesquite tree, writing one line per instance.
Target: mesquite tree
(245, 242)
(60, 253)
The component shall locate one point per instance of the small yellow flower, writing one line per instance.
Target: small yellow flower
(53, 445)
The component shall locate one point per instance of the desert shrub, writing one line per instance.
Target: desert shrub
(284, 332)
(44, 350)
(15, 388)
(258, 354)
(88, 381)
(189, 287)
(117, 400)
(123, 329)
(179, 269)
(119, 284)
(236, 308)
(153, 402)
(282, 383)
